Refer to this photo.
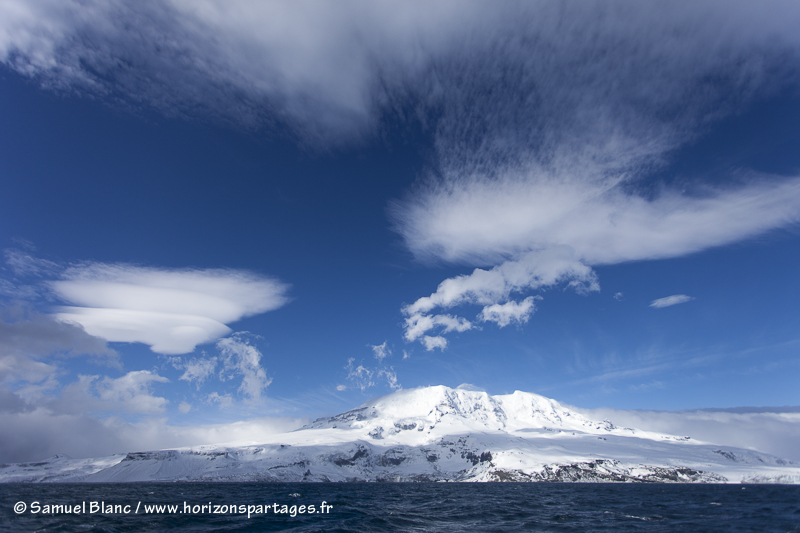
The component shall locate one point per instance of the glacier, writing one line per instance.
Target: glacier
(436, 434)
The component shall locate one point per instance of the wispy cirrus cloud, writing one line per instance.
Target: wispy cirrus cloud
(329, 70)
(196, 369)
(363, 377)
(172, 311)
(238, 357)
(381, 351)
(316, 68)
(667, 301)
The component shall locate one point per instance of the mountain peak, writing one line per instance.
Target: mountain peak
(429, 408)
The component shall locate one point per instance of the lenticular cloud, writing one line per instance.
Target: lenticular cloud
(172, 311)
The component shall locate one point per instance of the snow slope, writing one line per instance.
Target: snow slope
(436, 434)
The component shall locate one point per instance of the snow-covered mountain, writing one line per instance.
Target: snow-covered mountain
(436, 434)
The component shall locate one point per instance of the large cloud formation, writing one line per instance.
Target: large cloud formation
(329, 69)
(172, 311)
(547, 118)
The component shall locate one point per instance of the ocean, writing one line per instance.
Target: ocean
(378, 507)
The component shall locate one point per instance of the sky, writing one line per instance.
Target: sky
(220, 220)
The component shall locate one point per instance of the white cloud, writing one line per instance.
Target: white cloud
(431, 343)
(533, 270)
(131, 393)
(166, 333)
(184, 407)
(15, 368)
(391, 378)
(363, 378)
(325, 69)
(314, 66)
(594, 222)
(34, 432)
(505, 314)
(555, 230)
(557, 160)
(24, 264)
(170, 310)
(359, 376)
(545, 116)
(224, 400)
(240, 358)
(196, 369)
(381, 351)
(667, 301)
(417, 324)
(619, 296)
(470, 386)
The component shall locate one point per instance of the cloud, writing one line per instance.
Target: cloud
(391, 378)
(556, 230)
(24, 272)
(667, 301)
(315, 67)
(35, 432)
(505, 314)
(431, 343)
(327, 70)
(546, 148)
(619, 296)
(240, 358)
(417, 324)
(172, 311)
(131, 393)
(196, 369)
(24, 264)
(381, 351)
(766, 430)
(363, 378)
(224, 400)
(359, 376)
(547, 118)
(533, 270)
(10, 402)
(599, 223)
(167, 333)
(31, 345)
(471, 387)
(36, 335)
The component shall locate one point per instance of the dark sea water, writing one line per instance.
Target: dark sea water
(368, 507)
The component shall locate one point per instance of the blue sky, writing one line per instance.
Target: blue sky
(219, 219)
